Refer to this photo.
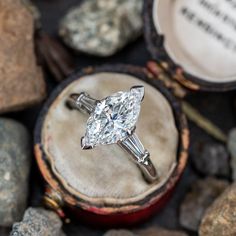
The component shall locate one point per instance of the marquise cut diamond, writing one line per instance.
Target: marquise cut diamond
(114, 117)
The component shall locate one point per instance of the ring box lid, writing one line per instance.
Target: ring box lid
(194, 40)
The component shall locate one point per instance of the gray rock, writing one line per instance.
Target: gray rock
(38, 222)
(101, 27)
(202, 194)
(220, 217)
(232, 150)
(211, 159)
(14, 170)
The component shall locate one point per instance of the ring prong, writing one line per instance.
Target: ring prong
(84, 146)
(130, 132)
(71, 101)
(75, 96)
(139, 88)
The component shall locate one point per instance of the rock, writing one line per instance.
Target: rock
(101, 27)
(211, 159)
(232, 150)
(14, 170)
(21, 79)
(157, 231)
(120, 232)
(202, 194)
(220, 217)
(38, 222)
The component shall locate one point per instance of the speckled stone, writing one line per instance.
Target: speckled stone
(21, 80)
(220, 217)
(38, 222)
(101, 27)
(195, 203)
(232, 150)
(14, 170)
(211, 159)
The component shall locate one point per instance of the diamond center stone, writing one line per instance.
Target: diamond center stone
(114, 117)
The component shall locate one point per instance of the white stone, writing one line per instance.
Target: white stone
(102, 27)
(114, 117)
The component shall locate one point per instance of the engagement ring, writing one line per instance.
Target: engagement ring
(112, 120)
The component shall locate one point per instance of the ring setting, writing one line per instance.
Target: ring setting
(112, 120)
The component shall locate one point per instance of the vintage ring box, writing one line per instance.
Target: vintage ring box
(102, 186)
